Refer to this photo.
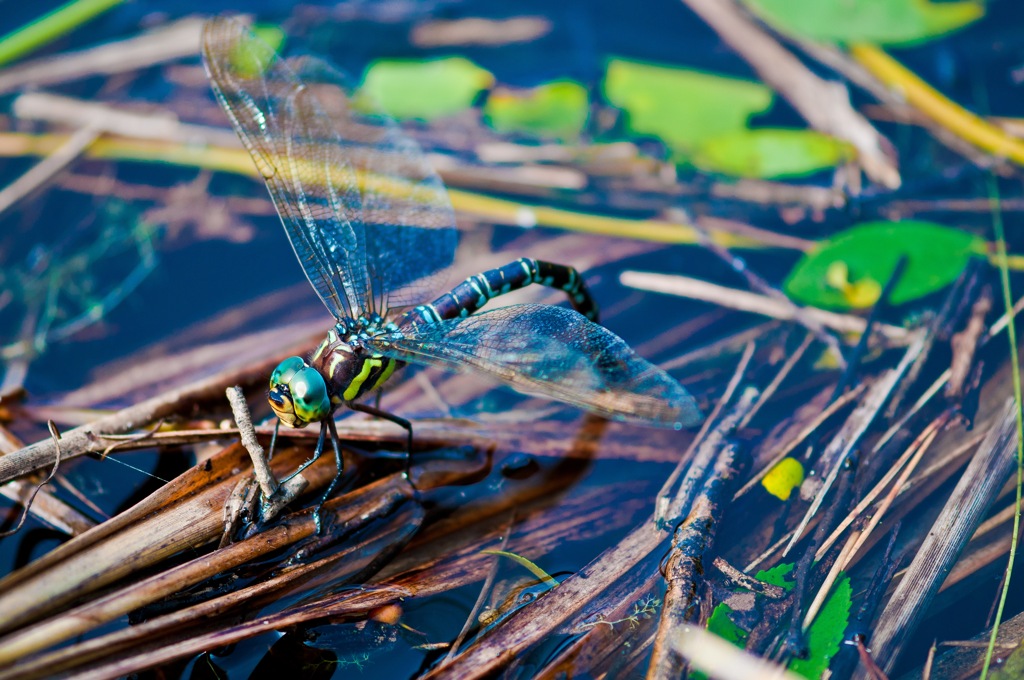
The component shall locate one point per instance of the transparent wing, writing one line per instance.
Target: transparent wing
(368, 219)
(551, 352)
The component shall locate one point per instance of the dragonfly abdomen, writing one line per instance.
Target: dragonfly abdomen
(473, 293)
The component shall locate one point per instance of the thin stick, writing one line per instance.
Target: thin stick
(746, 301)
(912, 456)
(973, 496)
(264, 475)
(770, 390)
(166, 43)
(662, 512)
(28, 504)
(800, 438)
(755, 281)
(45, 169)
(856, 426)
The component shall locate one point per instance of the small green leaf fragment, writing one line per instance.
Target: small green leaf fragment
(826, 632)
(721, 625)
(787, 475)
(770, 153)
(935, 254)
(424, 89)
(682, 107)
(270, 34)
(883, 22)
(776, 576)
(558, 109)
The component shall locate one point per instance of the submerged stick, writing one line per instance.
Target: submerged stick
(684, 569)
(967, 505)
(83, 439)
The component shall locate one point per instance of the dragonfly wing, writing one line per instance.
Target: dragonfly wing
(299, 156)
(362, 229)
(552, 352)
(410, 234)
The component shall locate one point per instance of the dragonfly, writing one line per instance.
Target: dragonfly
(372, 226)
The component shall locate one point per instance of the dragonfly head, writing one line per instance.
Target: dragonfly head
(298, 393)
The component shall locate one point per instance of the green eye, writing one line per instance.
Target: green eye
(282, 375)
(309, 394)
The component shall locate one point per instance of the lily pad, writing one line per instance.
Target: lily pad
(681, 106)
(558, 109)
(883, 22)
(771, 153)
(424, 89)
(935, 257)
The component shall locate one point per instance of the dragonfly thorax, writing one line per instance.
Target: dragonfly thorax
(347, 365)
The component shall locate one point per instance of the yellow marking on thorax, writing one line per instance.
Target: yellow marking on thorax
(319, 350)
(386, 374)
(352, 391)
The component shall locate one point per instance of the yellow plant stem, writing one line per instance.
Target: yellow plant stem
(498, 210)
(935, 105)
(502, 211)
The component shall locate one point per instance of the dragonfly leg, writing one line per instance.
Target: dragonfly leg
(340, 466)
(405, 424)
(473, 293)
(316, 452)
(273, 441)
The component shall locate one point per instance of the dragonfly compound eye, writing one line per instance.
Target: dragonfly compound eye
(285, 370)
(298, 393)
(309, 395)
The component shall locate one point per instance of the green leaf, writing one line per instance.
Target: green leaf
(884, 22)
(270, 34)
(868, 253)
(826, 632)
(770, 153)
(721, 625)
(776, 576)
(557, 109)
(423, 89)
(680, 106)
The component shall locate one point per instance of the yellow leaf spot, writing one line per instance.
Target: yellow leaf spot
(780, 481)
(859, 294)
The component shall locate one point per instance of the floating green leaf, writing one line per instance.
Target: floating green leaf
(251, 63)
(270, 34)
(826, 632)
(769, 153)
(885, 22)
(776, 576)
(424, 89)
(721, 625)
(682, 107)
(869, 253)
(557, 109)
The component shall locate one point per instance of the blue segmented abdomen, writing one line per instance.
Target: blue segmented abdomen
(473, 293)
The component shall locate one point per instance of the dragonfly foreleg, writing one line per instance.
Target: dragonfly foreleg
(316, 452)
(473, 293)
(340, 467)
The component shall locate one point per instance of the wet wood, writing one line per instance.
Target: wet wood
(963, 512)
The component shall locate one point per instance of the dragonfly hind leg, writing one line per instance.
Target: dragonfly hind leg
(402, 422)
(473, 293)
